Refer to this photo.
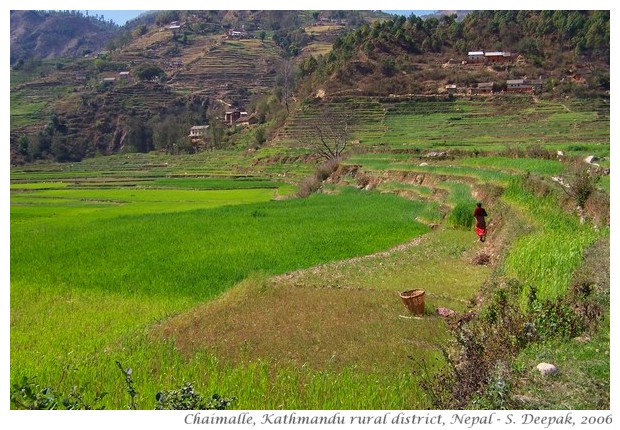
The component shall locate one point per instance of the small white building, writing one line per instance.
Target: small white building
(475, 56)
(199, 134)
(199, 131)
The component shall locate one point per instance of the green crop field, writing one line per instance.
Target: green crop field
(207, 268)
(113, 261)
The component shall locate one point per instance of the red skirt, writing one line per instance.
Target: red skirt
(481, 231)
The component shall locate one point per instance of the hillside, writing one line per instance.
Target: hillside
(239, 248)
(168, 71)
(566, 51)
(42, 35)
(205, 62)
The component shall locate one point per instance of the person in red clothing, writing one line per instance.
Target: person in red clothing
(481, 224)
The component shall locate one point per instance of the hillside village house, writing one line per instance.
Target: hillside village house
(123, 75)
(497, 57)
(232, 116)
(246, 120)
(237, 34)
(482, 88)
(451, 88)
(475, 56)
(524, 85)
(488, 57)
(199, 133)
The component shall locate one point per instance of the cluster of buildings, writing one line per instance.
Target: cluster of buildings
(530, 86)
(110, 79)
(199, 134)
(238, 34)
(523, 85)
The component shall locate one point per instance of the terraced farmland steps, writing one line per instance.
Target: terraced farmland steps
(366, 120)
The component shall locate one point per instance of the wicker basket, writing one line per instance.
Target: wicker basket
(414, 300)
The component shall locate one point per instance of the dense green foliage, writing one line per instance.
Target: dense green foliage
(140, 262)
(524, 31)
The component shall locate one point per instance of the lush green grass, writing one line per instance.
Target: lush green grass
(38, 185)
(605, 183)
(584, 372)
(257, 385)
(546, 257)
(516, 165)
(218, 183)
(24, 113)
(80, 283)
(397, 186)
(112, 202)
(490, 124)
(583, 362)
(224, 242)
(459, 192)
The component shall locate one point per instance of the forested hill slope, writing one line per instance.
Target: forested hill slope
(416, 54)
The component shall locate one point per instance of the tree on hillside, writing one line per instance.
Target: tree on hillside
(286, 82)
(217, 130)
(329, 133)
(147, 72)
(139, 136)
(169, 133)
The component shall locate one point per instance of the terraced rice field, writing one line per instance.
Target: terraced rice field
(204, 268)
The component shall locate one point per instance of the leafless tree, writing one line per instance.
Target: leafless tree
(329, 133)
(287, 82)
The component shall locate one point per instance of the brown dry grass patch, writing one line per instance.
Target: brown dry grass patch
(339, 315)
(323, 328)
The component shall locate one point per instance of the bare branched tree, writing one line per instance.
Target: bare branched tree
(287, 82)
(329, 133)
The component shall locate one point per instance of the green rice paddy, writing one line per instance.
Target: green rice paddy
(203, 268)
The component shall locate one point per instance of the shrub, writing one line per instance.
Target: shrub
(28, 394)
(461, 216)
(186, 398)
(597, 208)
(537, 151)
(308, 186)
(581, 184)
(313, 183)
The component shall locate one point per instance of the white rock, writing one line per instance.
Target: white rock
(445, 312)
(590, 159)
(546, 369)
